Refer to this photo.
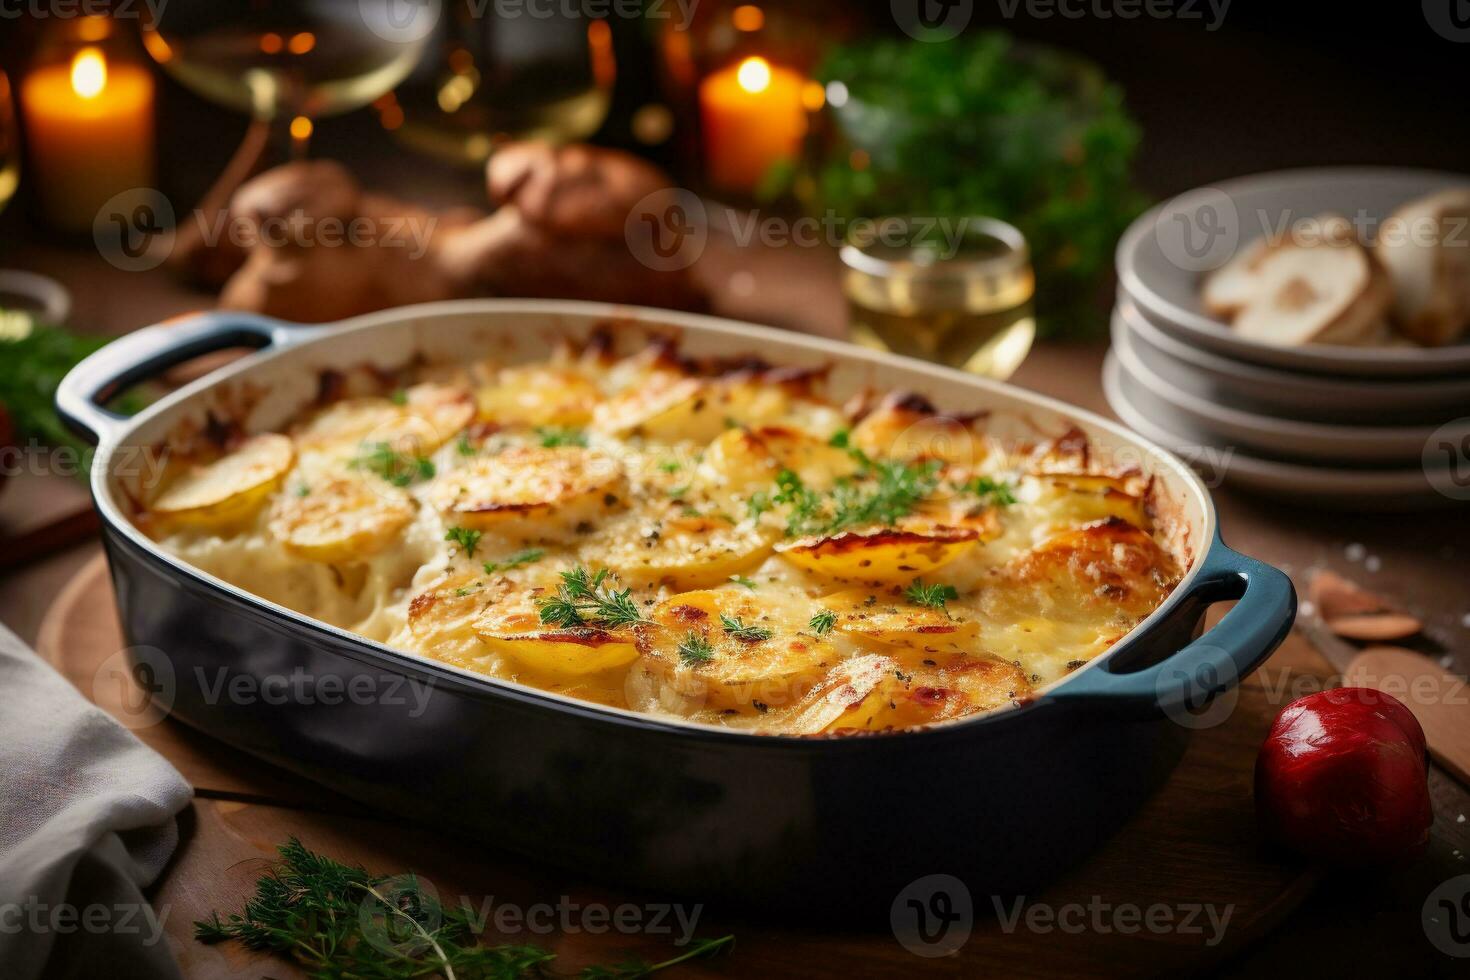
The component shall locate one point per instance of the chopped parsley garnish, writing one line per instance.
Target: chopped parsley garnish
(991, 491)
(695, 649)
(583, 598)
(840, 439)
(517, 560)
(302, 490)
(467, 539)
(749, 583)
(464, 447)
(737, 629)
(757, 504)
(670, 466)
(553, 437)
(823, 622)
(399, 397)
(933, 596)
(397, 468)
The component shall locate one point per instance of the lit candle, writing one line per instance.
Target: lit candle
(90, 129)
(754, 115)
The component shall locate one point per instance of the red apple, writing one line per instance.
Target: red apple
(1342, 779)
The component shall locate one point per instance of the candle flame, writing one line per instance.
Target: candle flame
(88, 73)
(754, 75)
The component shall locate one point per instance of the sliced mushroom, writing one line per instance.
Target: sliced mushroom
(1425, 246)
(1329, 292)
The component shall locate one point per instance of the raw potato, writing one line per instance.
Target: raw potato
(885, 556)
(1425, 246)
(739, 674)
(230, 489)
(341, 518)
(531, 489)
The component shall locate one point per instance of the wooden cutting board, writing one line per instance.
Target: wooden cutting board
(1192, 846)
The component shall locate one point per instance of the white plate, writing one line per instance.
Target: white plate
(1162, 272)
(1225, 425)
(1288, 394)
(1375, 490)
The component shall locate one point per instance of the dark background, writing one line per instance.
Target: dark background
(1279, 84)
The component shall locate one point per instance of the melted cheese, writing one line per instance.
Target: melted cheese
(790, 569)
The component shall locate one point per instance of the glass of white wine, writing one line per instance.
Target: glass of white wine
(956, 292)
(543, 73)
(288, 62)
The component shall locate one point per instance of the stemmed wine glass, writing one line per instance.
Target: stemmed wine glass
(288, 62)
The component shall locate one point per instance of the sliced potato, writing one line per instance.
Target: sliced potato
(902, 429)
(880, 617)
(443, 410)
(938, 689)
(1109, 567)
(442, 616)
(532, 489)
(1083, 498)
(742, 460)
(744, 673)
(514, 628)
(670, 548)
(230, 489)
(680, 409)
(549, 395)
(342, 425)
(890, 556)
(845, 687)
(341, 518)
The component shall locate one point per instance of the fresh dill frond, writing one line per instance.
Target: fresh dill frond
(749, 583)
(584, 599)
(823, 622)
(740, 631)
(335, 920)
(695, 648)
(933, 596)
(467, 539)
(991, 491)
(521, 558)
(399, 469)
(554, 437)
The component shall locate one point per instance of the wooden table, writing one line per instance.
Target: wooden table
(1349, 926)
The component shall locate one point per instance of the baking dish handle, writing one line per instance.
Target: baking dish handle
(1213, 663)
(145, 353)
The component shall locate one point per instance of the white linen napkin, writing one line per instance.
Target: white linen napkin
(86, 822)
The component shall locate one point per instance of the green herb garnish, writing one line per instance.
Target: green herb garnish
(670, 466)
(749, 583)
(553, 437)
(840, 439)
(399, 397)
(737, 629)
(992, 491)
(695, 649)
(584, 599)
(464, 447)
(517, 560)
(467, 539)
(823, 622)
(334, 921)
(397, 468)
(881, 493)
(933, 596)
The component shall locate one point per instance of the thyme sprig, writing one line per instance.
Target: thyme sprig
(740, 631)
(336, 921)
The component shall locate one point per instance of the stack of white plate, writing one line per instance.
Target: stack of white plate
(1385, 427)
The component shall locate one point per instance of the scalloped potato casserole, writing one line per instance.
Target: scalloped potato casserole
(714, 541)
